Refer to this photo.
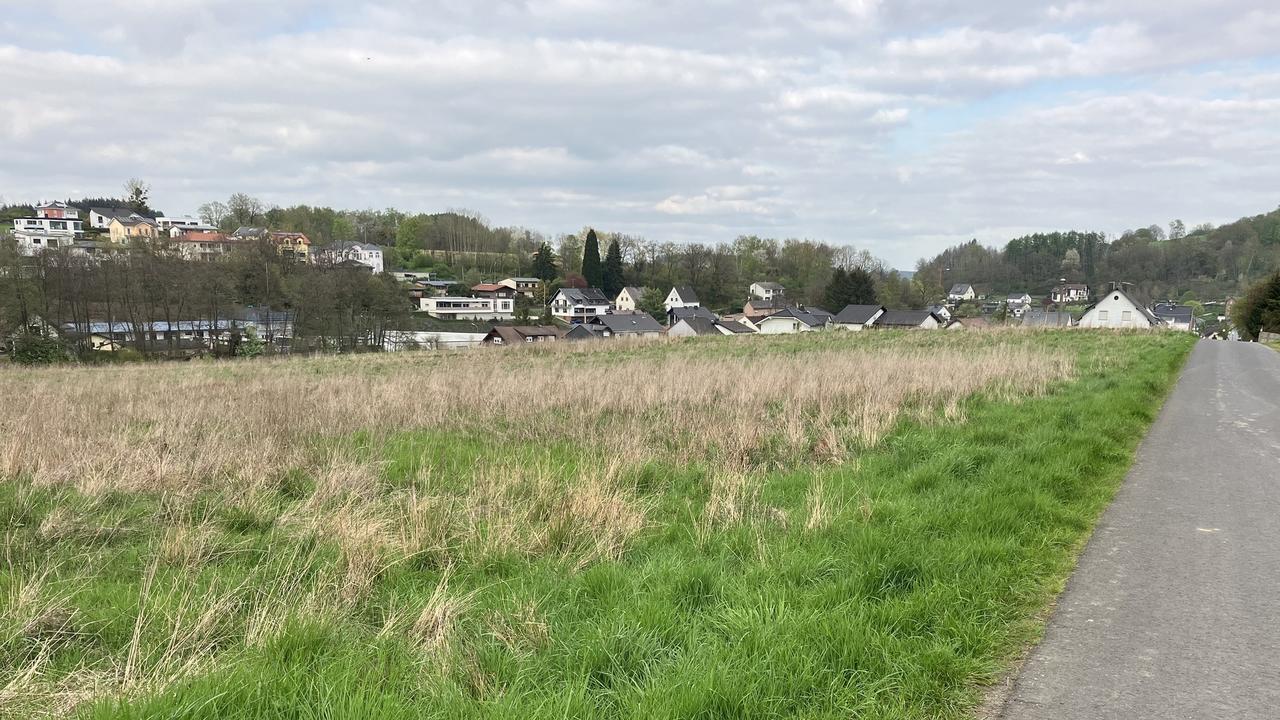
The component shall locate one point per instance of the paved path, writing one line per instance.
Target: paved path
(1174, 609)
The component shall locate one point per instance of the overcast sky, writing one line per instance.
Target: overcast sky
(901, 126)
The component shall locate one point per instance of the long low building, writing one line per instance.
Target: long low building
(468, 308)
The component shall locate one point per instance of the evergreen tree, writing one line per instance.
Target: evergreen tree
(612, 283)
(860, 289)
(1260, 309)
(837, 291)
(544, 263)
(592, 270)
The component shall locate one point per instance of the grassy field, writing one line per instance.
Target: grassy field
(818, 526)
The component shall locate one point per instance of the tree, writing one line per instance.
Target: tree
(862, 288)
(612, 277)
(592, 270)
(136, 192)
(214, 213)
(244, 209)
(836, 297)
(1259, 309)
(544, 263)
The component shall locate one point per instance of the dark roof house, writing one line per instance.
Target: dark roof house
(858, 314)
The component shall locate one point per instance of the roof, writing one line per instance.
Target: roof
(820, 313)
(635, 292)
(279, 235)
(524, 279)
(489, 287)
(1018, 296)
(517, 333)
(112, 212)
(1073, 286)
(1041, 318)
(585, 296)
(792, 313)
(960, 289)
(1174, 312)
(904, 318)
(685, 293)
(1151, 318)
(203, 237)
(246, 231)
(759, 304)
(53, 204)
(623, 324)
(734, 326)
(857, 314)
(681, 313)
(700, 325)
(583, 332)
(770, 285)
(970, 322)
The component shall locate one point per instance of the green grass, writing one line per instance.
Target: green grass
(925, 575)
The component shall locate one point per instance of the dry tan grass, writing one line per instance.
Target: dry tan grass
(179, 428)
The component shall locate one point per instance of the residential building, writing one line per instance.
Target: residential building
(756, 308)
(680, 297)
(1177, 317)
(942, 311)
(467, 308)
(858, 317)
(1046, 319)
(176, 225)
(100, 218)
(244, 232)
(576, 305)
(791, 320)
(526, 286)
(204, 245)
(1070, 293)
(695, 325)
(294, 244)
(969, 323)
(130, 227)
(628, 299)
(676, 314)
(908, 320)
(366, 254)
(741, 319)
(629, 325)
(1117, 310)
(492, 290)
(56, 225)
(961, 292)
(522, 334)
(767, 290)
(1018, 303)
(585, 331)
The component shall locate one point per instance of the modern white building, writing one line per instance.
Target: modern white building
(527, 286)
(55, 225)
(577, 305)
(1118, 311)
(370, 256)
(681, 297)
(468, 308)
(1070, 293)
(961, 292)
(791, 320)
(767, 290)
(179, 224)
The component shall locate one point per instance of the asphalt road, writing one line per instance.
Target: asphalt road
(1174, 609)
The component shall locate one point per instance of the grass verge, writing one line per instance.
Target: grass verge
(486, 576)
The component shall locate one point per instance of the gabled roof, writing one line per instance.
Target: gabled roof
(857, 314)
(626, 324)
(681, 313)
(1018, 296)
(685, 293)
(203, 237)
(112, 212)
(245, 231)
(583, 332)
(794, 314)
(734, 326)
(960, 289)
(1151, 318)
(490, 287)
(770, 285)
(905, 318)
(523, 279)
(1042, 318)
(635, 292)
(584, 296)
(1173, 312)
(700, 325)
(516, 334)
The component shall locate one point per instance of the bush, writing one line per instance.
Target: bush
(251, 346)
(37, 349)
(1259, 309)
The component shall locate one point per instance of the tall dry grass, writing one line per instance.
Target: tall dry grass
(178, 428)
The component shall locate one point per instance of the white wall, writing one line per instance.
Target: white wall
(1115, 310)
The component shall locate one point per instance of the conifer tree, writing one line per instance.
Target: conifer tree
(592, 269)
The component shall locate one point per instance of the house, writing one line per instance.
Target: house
(858, 317)
(522, 334)
(467, 308)
(757, 308)
(100, 218)
(961, 292)
(791, 320)
(1178, 317)
(399, 340)
(1117, 310)
(908, 320)
(629, 325)
(696, 325)
(767, 290)
(129, 227)
(584, 331)
(741, 320)
(245, 232)
(575, 305)
(971, 323)
(492, 290)
(366, 254)
(1070, 293)
(1046, 319)
(177, 225)
(628, 299)
(1018, 303)
(680, 297)
(293, 245)
(941, 311)
(204, 245)
(56, 225)
(676, 314)
(526, 286)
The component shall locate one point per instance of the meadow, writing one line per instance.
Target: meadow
(823, 525)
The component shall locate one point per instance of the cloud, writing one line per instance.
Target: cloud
(894, 126)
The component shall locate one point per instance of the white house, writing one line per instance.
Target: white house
(790, 320)
(176, 225)
(579, 304)
(100, 218)
(628, 299)
(680, 297)
(1018, 303)
(908, 320)
(858, 317)
(767, 290)
(526, 286)
(364, 253)
(1117, 310)
(55, 225)
(1178, 317)
(961, 292)
(695, 325)
(1070, 293)
(628, 325)
(941, 311)
(472, 308)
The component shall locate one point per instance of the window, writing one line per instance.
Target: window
(1104, 315)
(1126, 316)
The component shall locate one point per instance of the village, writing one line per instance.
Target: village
(498, 312)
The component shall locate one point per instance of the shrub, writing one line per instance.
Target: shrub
(36, 349)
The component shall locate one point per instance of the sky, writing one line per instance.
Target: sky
(901, 127)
